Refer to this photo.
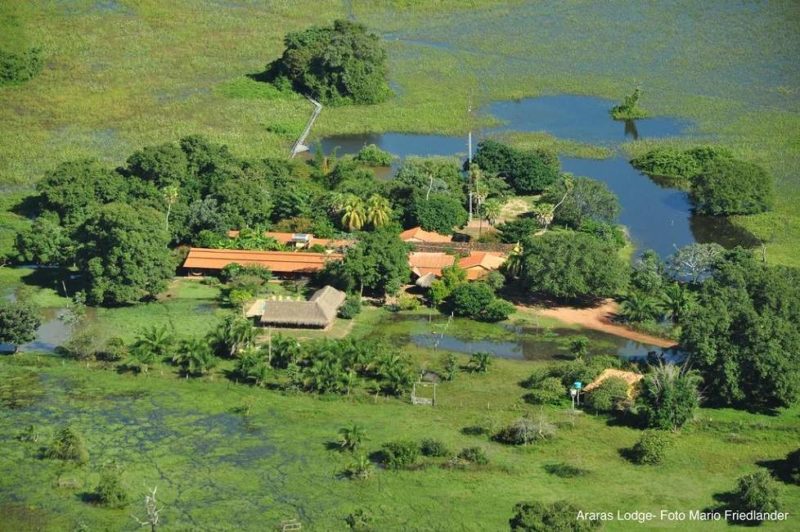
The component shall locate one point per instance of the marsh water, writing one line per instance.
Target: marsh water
(514, 341)
(657, 217)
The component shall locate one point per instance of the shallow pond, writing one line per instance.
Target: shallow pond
(513, 342)
(656, 216)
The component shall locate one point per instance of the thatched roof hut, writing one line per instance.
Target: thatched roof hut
(630, 377)
(318, 312)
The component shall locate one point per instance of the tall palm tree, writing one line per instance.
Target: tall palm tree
(194, 357)
(513, 265)
(491, 210)
(170, 194)
(353, 213)
(379, 210)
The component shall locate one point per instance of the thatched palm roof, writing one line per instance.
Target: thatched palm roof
(319, 311)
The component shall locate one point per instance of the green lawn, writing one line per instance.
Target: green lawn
(217, 469)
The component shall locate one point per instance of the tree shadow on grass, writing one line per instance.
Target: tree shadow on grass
(727, 501)
(782, 469)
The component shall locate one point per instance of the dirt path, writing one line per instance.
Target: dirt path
(599, 319)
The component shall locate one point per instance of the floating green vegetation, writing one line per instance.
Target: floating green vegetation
(546, 141)
(629, 108)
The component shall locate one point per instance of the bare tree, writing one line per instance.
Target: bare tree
(151, 507)
(694, 262)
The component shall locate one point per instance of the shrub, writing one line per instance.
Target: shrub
(374, 156)
(450, 364)
(360, 469)
(475, 455)
(547, 517)
(756, 492)
(400, 454)
(407, 302)
(110, 491)
(547, 390)
(16, 68)
(439, 213)
(565, 470)
(651, 448)
(433, 447)
(609, 395)
(68, 444)
(729, 186)
(668, 162)
(480, 362)
(114, 350)
(351, 307)
(629, 108)
(477, 301)
(359, 521)
(495, 280)
(525, 431)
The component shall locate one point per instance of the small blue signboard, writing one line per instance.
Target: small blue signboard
(578, 385)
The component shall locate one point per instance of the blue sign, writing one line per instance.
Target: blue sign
(578, 385)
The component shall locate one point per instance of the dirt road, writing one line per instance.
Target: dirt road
(599, 319)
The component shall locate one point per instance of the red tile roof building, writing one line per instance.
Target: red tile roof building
(279, 262)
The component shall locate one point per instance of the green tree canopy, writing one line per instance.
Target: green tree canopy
(528, 172)
(18, 323)
(440, 213)
(338, 64)
(124, 254)
(568, 265)
(589, 199)
(743, 336)
(730, 186)
(378, 263)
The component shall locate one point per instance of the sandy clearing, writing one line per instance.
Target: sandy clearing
(599, 319)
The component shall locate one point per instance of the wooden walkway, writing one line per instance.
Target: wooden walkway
(299, 145)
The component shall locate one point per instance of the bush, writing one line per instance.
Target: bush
(548, 390)
(440, 213)
(629, 108)
(609, 395)
(114, 350)
(351, 307)
(651, 448)
(374, 156)
(110, 491)
(359, 521)
(477, 301)
(547, 517)
(16, 68)
(433, 447)
(756, 492)
(475, 455)
(669, 163)
(564, 470)
(68, 444)
(407, 302)
(400, 454)
(729, 186)
(525, 431)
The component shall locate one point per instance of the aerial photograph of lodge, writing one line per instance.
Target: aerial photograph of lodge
(429, 265)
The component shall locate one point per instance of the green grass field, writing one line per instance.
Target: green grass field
(123, 74)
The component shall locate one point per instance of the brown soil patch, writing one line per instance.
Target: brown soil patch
(600, 318)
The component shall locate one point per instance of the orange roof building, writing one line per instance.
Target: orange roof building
(279, 262)
(477, 264)
(300, 239)
(418, 234)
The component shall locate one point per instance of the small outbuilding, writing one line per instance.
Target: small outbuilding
(319, 312)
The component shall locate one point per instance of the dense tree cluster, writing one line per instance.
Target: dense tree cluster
(338, 64)
(742, 334)
(528, 172)
(571, 266)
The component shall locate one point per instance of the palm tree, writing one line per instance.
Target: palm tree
(639, 307)
(378, 210)
(353, 216)
(252, 366)
(491, 210)
(351, 438)
(514, 263)
(232, 335)
(676, 299)
(669, 396)
(153, 343)
(194, 357)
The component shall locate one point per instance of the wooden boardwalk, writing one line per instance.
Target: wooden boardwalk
(299, 145)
